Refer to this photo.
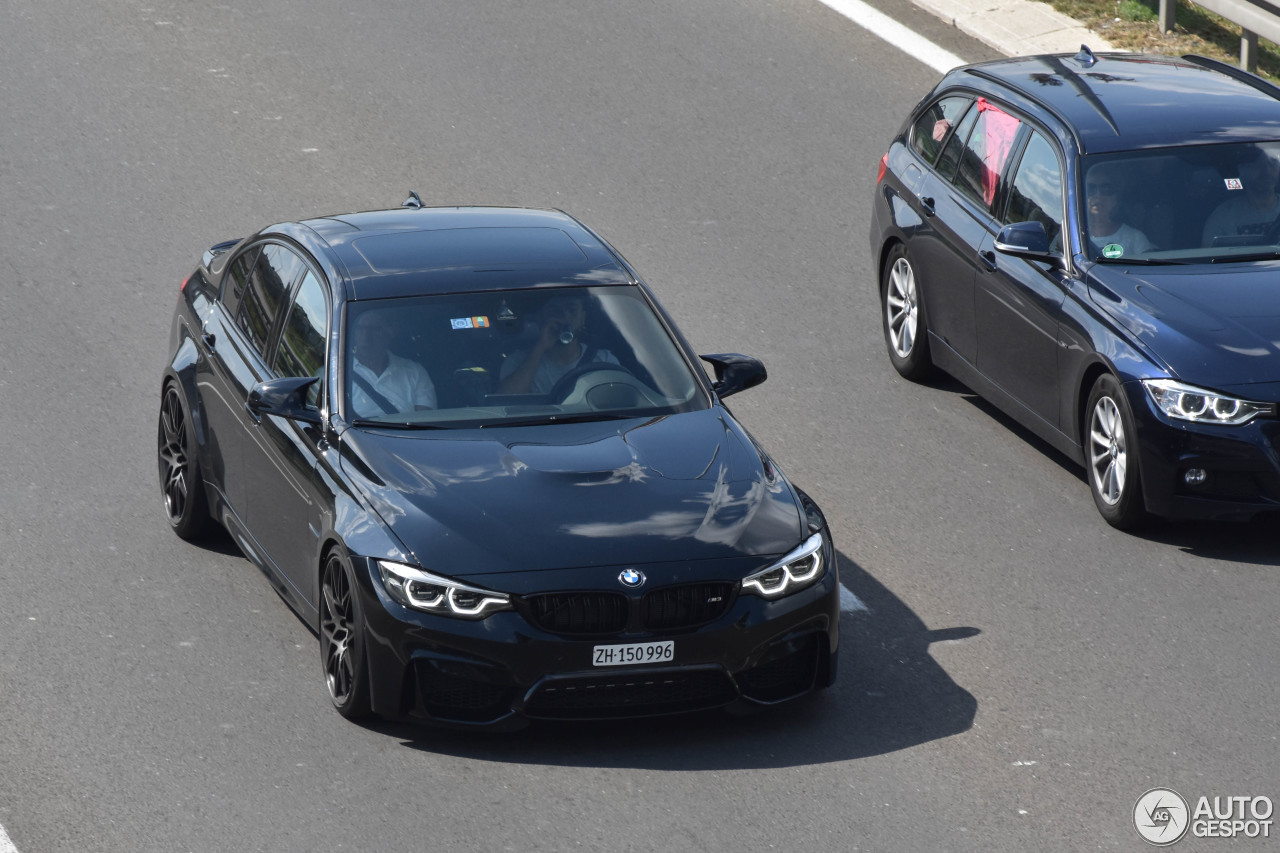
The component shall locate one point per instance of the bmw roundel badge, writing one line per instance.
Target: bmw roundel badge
(632, 578)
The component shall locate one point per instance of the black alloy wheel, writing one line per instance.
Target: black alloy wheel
(342, 638)
(1111, 454)
(181, 483)
(906, 332)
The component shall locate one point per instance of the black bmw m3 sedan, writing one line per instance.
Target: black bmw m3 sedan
(472, 452)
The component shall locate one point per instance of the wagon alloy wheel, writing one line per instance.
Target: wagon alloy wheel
(1112, 458)
(900, 306)
(180, 482)
(905, 327)
(1108, 451)
(341, 640)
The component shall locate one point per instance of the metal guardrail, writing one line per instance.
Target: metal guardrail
(1255, 19)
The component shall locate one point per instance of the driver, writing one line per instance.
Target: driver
(558, 350)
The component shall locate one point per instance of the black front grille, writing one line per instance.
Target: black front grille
(635, 694)
(587, 614)
(583, 613)
(685, 606)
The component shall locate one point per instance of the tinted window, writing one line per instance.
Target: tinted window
(265, 292)
(1193, 203)
(463, 360)
(236, 279)
(1036, 191)
(302, 339)
(986, 153)
(931, 129)
(955, 145)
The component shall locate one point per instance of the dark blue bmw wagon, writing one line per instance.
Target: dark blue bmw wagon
(1092, 243)
(472, 452)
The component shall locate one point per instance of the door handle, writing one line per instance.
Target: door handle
(209, 339)
(988, 258)
(928, 204)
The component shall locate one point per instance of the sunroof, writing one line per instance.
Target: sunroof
(469, 247)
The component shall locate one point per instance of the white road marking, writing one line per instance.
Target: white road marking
(849, 603)
(6, 846)
(896, 34)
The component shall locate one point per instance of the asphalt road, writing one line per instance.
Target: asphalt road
(1023, 672)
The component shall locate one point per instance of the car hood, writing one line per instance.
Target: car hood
(683, 487)
(1216, 326)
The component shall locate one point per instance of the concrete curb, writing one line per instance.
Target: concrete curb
(1016, 27)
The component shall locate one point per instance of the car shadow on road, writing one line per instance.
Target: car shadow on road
(890, 695)
(1251, 541)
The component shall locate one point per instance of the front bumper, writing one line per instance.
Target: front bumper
(504, 670)
(1242, 464)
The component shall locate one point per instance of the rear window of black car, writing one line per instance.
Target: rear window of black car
(930, 131)
(276, 270)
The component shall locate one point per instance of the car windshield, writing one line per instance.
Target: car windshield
(503, 358)
(1194, 204)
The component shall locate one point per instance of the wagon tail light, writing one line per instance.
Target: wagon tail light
(884, 167)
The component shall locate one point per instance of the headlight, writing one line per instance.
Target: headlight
(1188, 403)
(434, 594)
(799, 569)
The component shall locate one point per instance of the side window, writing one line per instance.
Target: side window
(930, 130)
(950, 159)
(986, 153)
(1036, 192)
(236, 278)
(265, 293)
(302, 340)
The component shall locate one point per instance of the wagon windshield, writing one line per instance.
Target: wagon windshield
(541, 355)
(1217, 203)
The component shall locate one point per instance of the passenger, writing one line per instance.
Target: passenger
(1252, 211)
(382, 382)
(1109, 235)
(558, 350)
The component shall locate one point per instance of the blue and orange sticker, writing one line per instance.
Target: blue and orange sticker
(470, 323)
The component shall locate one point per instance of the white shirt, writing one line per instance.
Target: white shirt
(1133, 241)
(405, 384)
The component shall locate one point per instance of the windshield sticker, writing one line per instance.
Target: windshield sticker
(1234, 184)
(1113, 250)
(470, 323)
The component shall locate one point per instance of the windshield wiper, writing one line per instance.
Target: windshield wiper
(1269, 255)
(1142, 262)
(366, 422)
(563, 419)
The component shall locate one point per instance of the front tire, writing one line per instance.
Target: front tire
(342, 638)
(906, 332)
(181, 484)
(1111, 453)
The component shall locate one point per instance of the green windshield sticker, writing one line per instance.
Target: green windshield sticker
(1113, 250)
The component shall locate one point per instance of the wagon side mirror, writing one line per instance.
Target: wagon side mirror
(1026, 240)
(735, 372)
(285, 398)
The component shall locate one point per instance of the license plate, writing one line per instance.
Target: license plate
(634, 653)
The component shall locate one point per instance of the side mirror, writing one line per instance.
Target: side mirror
(735, 372)
(285, 398)
(1026, 240)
